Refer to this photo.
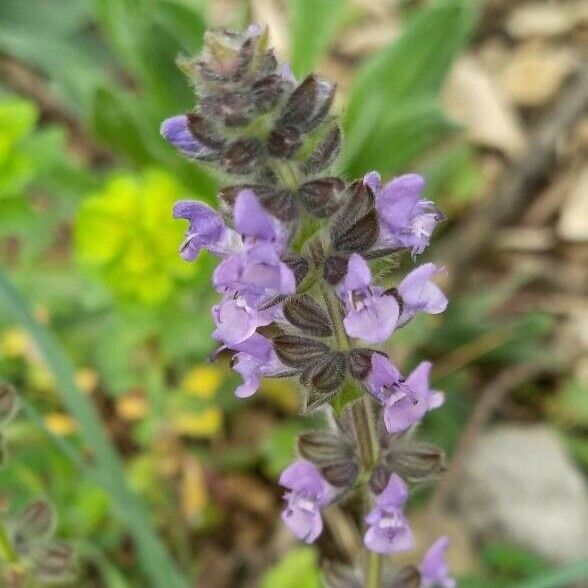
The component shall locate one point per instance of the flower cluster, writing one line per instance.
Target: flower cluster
(299, 294)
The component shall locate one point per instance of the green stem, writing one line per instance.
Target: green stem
(334, 310)
(106, 465)
(365, 428)
(7, 552)
(369, 447)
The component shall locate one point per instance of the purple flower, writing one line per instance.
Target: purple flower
(176, 131)
(388, 530)
(255, 224)
(406, 220)
(206, 231)
(434, 569)
(407, 401)
(255, 358)
(371, 315)
(420, 294)
(236, 321)
(257, 270)
(309, 494)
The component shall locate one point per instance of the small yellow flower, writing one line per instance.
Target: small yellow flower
(86, 379)
(60, 423)
(13, 342)
(127, 234)
(194, 494)
(132, 406)
(202, 381)
(204, 424)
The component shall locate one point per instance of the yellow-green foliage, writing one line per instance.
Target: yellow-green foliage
(127, 233)
(17, 119)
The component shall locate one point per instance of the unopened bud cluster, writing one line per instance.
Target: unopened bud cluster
(29, 553)
(299, 298)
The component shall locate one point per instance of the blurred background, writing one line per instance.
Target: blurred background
(487, 100)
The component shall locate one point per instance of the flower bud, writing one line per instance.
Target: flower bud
(324, 154)
(323, 376)
(415, 462)
(233, 108)
(379, 479)
(299, 265)
(284, 142)
(324, 447)
(241, 157)
(296, 351)
(55, 562)
(308, 104)
(407, 577)
(335, 268)
(8, 402)
(322, 197)
(36, 521)
(356, 235)
(267, 92)
(360, 362)
(338, 575)
(306, 314)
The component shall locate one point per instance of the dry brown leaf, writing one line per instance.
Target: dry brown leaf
(541, 19)
(573, 222)
(536, 72)
(473, 99)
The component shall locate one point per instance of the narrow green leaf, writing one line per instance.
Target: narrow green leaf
(404, 133)
(413, 67)
(313, 26)
(155, 561)
(182, 21)
(348, 394)
(560, 578)
(116, 121)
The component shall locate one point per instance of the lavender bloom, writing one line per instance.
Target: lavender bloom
(309, 494)
(388, 528)
(206, 231)
(405, 401)
(255, 358)
(434, 569)
(176, 131)
(236, 321)
(405, 219)
(371, 315)
(255, 224)
(257, 271)
(420, 294)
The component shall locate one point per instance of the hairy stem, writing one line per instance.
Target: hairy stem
(367, 439)
(365, 428)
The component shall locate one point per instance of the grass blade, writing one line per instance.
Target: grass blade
(563, 577)
(154, 559)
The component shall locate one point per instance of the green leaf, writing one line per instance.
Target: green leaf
(155, 561)
(570, 405)
(122, 22)
(182, 21)
(298, 569)
(313, 26)
(412, 68)
(563, 577)
(404, 133)
(117, 120)
(510, 560)
(348, 394)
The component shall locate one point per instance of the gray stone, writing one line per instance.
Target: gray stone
(520, 486)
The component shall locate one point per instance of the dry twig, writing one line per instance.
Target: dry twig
(518, 184)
